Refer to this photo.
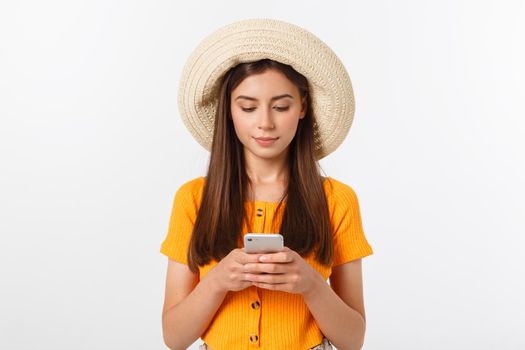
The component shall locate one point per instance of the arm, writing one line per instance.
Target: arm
(338, 308)
(189, 305)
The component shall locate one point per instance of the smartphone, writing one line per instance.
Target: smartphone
(263, 242)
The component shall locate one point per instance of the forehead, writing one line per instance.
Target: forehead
(270, 82)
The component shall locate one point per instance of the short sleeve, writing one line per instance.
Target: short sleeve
(350, 242)
(183, 214)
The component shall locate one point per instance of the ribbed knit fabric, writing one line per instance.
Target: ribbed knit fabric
(282, 320)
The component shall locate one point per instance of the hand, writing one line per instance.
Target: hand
(228, 273)
(285, 271)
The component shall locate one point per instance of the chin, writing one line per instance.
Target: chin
(267, 154)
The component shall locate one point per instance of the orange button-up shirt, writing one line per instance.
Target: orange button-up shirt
(257, 318)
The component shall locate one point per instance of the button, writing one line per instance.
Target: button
(256, 305)
(254, 338)
(259, 212)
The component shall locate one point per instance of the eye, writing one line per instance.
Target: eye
(282, 109)
(248, 109)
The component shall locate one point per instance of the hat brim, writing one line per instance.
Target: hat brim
(254, 39)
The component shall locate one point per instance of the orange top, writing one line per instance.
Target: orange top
(280, 320)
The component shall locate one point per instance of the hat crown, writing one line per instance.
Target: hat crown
(253, 39)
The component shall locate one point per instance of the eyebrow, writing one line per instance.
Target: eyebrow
(272, 99)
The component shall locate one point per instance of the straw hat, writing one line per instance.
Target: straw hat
(254, 39)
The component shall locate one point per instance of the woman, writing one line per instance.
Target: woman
(268, 99)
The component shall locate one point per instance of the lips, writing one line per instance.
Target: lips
(266, 141)
(266, 138)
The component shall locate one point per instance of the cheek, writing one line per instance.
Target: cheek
(240, 125)
(291, 124)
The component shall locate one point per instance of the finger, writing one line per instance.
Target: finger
(264, 268)
(267, 278)
(245, 258)
(280, 286)
(281, 257)
(246, 285)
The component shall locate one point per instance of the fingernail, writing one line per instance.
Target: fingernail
(263, 258)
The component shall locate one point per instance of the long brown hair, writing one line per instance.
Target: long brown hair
(305, 222)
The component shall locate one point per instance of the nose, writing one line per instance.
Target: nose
(266, 120)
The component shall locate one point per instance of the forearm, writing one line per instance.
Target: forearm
(185, 322)
(341, 324)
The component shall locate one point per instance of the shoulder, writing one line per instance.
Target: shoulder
(194, 184)
(340, 197)
(337, 190)
(191, 190)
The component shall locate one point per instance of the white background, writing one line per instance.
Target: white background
(92, 150)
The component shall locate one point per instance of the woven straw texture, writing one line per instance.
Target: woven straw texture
(253, 39)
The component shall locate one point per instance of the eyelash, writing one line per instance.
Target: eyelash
(280, 109)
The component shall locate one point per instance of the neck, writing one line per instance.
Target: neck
(267, 170)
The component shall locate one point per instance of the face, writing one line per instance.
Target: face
(266, 105)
